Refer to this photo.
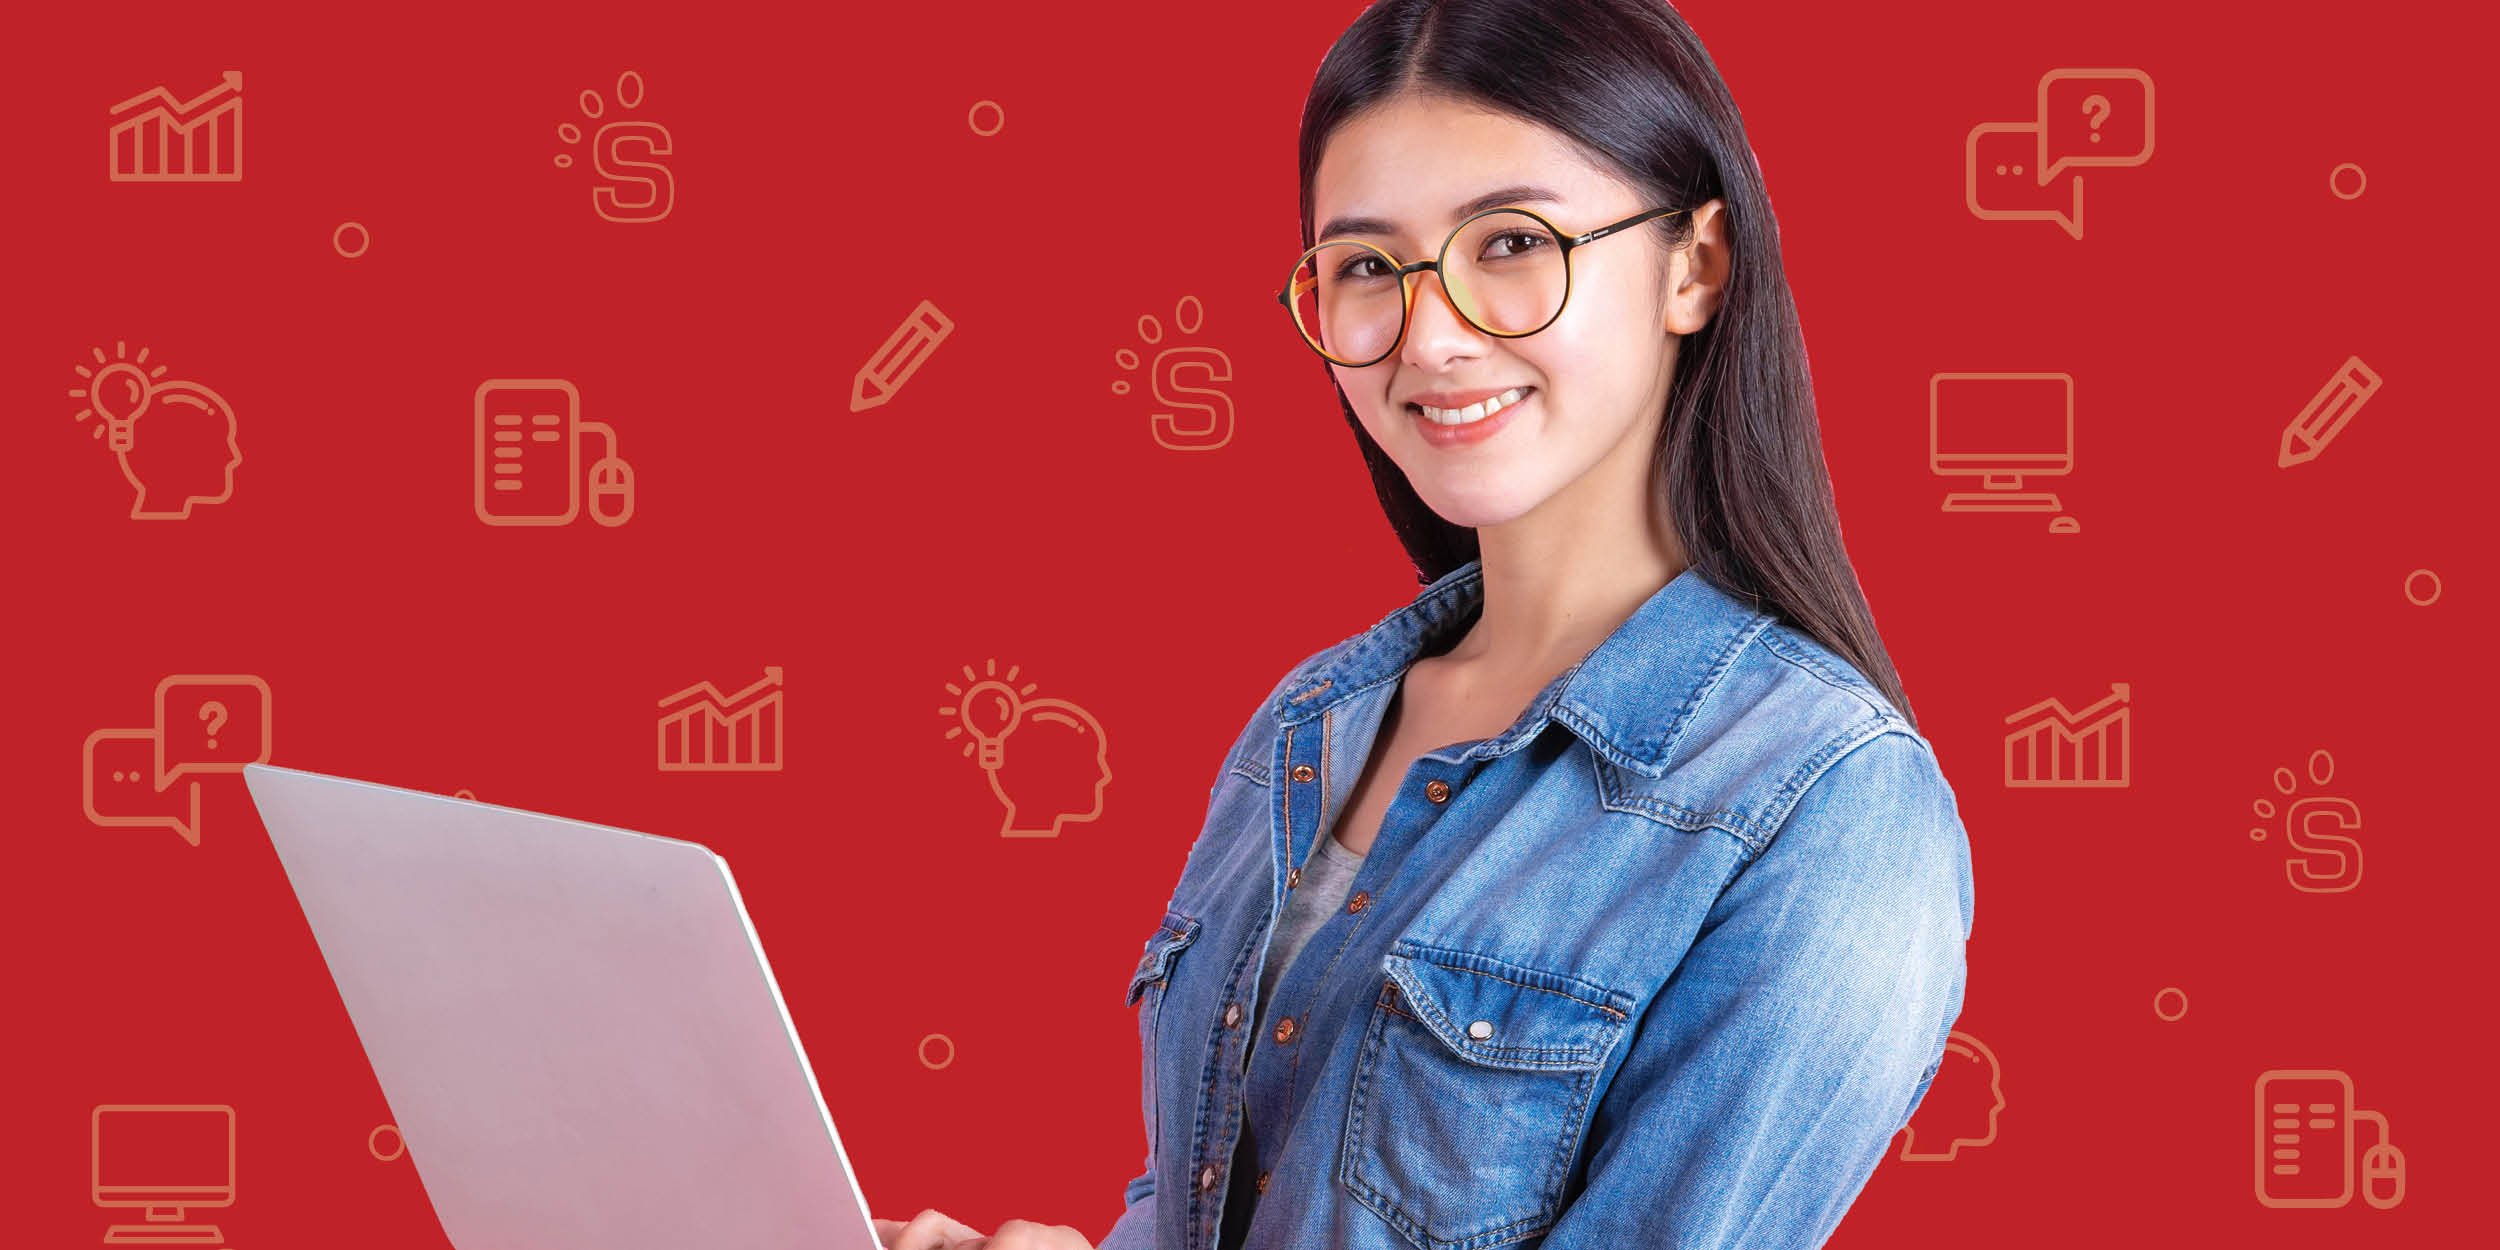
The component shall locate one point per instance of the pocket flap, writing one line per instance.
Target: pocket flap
(1503, 1015)
(1176, 932)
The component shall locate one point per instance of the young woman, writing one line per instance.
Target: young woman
(1606, 894)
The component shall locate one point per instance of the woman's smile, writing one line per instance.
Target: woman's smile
(1460, 430)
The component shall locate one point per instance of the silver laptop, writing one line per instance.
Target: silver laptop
(579, 1036)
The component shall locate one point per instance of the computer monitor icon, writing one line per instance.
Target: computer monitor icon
(2002, 428)
(163, 1158)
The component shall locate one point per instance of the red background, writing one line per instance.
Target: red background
(1008, 506)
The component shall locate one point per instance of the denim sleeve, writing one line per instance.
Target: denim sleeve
(1767, 1078)
(1135, 1229)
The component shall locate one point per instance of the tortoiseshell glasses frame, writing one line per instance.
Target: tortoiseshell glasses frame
(1567, 242)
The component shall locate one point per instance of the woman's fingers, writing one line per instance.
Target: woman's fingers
(930, 1230)
(1027, 1235)
(933, 1230)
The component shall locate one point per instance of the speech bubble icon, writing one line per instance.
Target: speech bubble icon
(117, 785)
(210, 723)
(2000, 182)
(2092, 117)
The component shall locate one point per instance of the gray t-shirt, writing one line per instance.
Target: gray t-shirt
(1325, 880)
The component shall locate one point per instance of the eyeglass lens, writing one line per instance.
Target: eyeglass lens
(1505, 272)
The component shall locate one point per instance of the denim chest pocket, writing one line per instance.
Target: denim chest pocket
(1472, 1092)
(1151, 982)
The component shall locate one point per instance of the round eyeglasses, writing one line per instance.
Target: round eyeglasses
(1507, 272)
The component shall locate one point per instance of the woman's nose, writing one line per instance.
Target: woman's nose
(1433, 319)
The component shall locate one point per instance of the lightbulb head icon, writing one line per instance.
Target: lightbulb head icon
(189, 451)
(1060, 764)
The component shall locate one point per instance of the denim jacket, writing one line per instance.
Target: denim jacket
(1665, 963)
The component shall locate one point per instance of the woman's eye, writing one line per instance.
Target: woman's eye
(1530, 238)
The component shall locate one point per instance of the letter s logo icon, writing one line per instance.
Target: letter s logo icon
(2342, 866)
(1214, 427)
(613, 151)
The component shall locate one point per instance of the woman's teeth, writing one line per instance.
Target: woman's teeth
(1476, 411)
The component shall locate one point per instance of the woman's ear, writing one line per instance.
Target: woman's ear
(1697, 273)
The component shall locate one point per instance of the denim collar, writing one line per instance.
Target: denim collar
(1628, 698)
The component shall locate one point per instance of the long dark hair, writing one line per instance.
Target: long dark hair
(1739, 455)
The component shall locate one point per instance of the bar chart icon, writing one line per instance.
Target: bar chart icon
(2051, 745)
(157, 136)
(703, 729)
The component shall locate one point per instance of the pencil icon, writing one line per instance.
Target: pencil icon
(900, 357)
(2327, 411)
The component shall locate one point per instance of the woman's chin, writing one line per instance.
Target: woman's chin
(1471, 508)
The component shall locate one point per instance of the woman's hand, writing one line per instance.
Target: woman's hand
(929, 1230)
(934, 1230)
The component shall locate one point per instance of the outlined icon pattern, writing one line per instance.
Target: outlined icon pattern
(1080, 483)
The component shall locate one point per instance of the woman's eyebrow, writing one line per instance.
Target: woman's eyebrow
(1518, 193)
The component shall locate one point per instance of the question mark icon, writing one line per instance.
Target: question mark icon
(215, 714)
(2102, 115)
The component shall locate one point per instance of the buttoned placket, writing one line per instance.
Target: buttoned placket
(1305, 811)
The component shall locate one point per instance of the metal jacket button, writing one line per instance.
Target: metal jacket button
(1206, 1178)
(1262, 1182)
(1437, 790)
(1480, 1030)
(1361, 900)
(1232, 1014)
(1304, 772)
(1284, 1029)
(1293, 877)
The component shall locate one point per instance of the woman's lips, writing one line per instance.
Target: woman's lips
(1473, 432)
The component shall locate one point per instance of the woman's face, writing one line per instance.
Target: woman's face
(1596, 378)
